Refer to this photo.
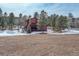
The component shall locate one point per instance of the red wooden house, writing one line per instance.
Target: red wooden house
(32, 25)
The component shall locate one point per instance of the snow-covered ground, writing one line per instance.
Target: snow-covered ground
(66, 31)
(49, 31)
(10, 33)
(15, 33)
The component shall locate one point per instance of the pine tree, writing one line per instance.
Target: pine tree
(54, 19)
(5, 20)
(43, 20)
(1, 18)
(70, 23)
(58, 23)
(19, 21)
(62, 23)
(36, 15)
(11, 21)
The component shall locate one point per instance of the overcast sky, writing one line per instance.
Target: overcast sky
(50, 8)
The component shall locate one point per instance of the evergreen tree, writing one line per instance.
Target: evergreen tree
(5, 21)
(70, 15)
(1, 18)
(11, 20)
(62, 23)
(54, 19)
(36, 15)
(43, 20)
(70, 21)
(58, 23)
(19, 21)
(20, 15)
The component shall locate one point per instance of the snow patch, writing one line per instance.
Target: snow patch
(66, 31)
(49, 31)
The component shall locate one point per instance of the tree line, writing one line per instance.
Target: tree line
(57, 22)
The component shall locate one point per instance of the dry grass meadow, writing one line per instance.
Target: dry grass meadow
(40, 45)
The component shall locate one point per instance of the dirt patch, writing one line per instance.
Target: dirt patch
(40, 44)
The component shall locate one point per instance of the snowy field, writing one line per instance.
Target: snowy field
(16, 32)
(66, 31)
